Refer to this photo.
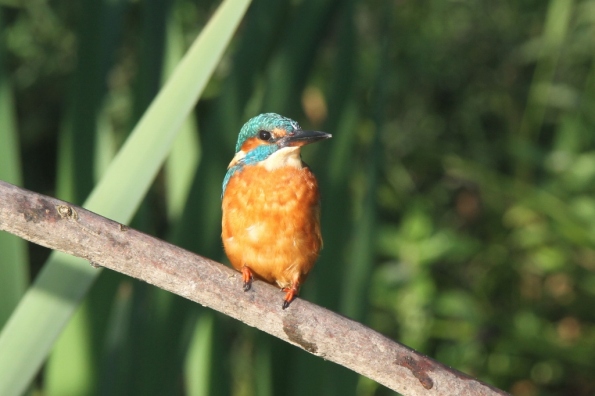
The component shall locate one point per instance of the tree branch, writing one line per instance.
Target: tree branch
(61, 226)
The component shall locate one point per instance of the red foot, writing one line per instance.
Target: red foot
(247, 278)
(290, 293)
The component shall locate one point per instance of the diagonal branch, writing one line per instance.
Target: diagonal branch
(61, 226)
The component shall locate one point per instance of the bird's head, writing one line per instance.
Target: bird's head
(271, 140)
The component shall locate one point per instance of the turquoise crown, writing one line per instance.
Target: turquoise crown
(267, 122)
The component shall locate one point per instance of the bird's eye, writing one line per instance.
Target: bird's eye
(264, 135)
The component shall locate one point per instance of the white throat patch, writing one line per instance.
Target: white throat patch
(287, 156)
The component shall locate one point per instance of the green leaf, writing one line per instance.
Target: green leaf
(64, 280)
(14, 258)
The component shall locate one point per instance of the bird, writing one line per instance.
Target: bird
(271, 205)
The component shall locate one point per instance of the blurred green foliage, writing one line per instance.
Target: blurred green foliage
(458, 205)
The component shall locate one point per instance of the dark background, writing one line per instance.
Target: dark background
(458, 207)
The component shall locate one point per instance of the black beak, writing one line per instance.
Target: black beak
(301, 138)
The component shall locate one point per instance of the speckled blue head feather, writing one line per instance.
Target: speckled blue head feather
(266, 121)
(283, 133)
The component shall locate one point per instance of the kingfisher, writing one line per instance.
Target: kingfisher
(271, 205)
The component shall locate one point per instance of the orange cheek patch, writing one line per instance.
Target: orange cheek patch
(279, 133)
(251, 144)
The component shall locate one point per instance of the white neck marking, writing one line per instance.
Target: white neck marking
(239, 155)
(287, 156)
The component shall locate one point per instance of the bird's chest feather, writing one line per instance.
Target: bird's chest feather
(267, 203)
(270, 218)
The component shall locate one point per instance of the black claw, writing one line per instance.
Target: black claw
(285, 304)
(247, 285)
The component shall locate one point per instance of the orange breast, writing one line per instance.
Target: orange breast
(271, 222)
